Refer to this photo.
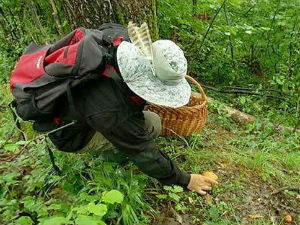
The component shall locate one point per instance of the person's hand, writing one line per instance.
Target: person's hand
(201, 184)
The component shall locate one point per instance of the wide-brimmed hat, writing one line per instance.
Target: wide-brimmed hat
(154, 71)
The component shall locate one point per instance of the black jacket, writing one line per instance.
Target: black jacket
(105, 107)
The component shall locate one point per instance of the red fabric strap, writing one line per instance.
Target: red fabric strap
(67, 54)
(137, 100)
(106, 73)
(56, 120)
(117, 41)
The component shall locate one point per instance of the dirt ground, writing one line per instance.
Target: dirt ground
(251, 198)
(256, 200)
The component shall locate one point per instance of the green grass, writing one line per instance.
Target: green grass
(254, 157)
(251, 160)
(245, 157)
(31, 192)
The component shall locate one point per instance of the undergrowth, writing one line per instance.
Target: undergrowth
(249, 44)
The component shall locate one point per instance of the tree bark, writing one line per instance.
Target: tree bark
(56, 18)
(34, 15)
(92, 13)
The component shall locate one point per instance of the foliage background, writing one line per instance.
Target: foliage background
(251, 44)
(228, 43)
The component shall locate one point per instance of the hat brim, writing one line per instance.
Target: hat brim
(137, 73)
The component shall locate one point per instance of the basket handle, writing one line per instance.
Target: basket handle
(189, 78)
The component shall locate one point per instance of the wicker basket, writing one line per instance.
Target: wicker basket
(184, 120)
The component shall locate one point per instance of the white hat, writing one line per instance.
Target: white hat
(159, 79)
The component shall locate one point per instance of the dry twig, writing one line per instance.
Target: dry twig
(295, 189)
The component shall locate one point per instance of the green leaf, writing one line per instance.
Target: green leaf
(54, 206)
(179, 207)
(174, 196)
(11, 147)
(161, 196)
(99, 209)
(100, 222)
(113, 196)
(177, 189)
(22, 142)
(86, 220)
(168, 188)
(9, 178)
(56, 220)
(24, 220)
(82, 209)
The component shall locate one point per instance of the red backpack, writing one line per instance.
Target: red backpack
(45, 73)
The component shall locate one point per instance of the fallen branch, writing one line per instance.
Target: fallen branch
(245, 118)
(295, 189)
(251, 89)
(242, 91)
(237, 115)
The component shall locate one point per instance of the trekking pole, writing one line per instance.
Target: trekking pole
(52, 159)
(50, 152)
(10, 158)
(60, 128)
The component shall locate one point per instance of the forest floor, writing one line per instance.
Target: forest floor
(257, 166)
(258, 170)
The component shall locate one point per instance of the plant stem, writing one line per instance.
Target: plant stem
(229, 37)
(211, 23)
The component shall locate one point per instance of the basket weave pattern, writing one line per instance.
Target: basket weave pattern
(184, 120)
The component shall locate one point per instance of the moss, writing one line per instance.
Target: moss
(28, 130)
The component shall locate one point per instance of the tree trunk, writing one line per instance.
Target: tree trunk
(35, 18)
(56, 18)
(92, 13)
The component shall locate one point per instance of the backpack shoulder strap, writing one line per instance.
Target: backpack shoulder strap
(111, 31)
